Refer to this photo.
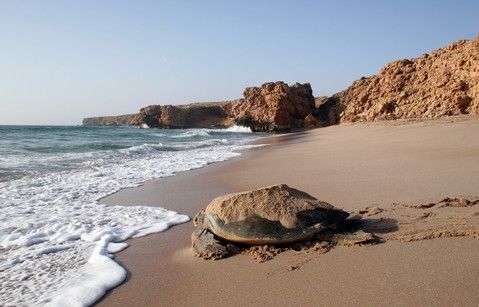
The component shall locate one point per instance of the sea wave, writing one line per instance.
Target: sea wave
(211, 132)
(239, 129)
(57, 241)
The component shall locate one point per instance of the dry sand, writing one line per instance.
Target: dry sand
(394, 173)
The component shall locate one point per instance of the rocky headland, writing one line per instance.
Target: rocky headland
(441, 83)
(274, 106)
(120, 120)
(196, 115)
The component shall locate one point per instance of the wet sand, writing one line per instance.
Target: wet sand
(389, 165)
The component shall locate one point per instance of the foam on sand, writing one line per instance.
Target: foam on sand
(66, 258)
(91, 284)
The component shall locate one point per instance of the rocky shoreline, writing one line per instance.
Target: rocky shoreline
(442, 83)
(274, 106)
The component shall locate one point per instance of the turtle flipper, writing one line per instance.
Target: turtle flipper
(206, 246)
(346, 238)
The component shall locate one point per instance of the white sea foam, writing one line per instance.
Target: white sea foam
(240, 129)
(192, 133)
(57, 241)
(207, 132)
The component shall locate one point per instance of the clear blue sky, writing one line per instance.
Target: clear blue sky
(61, 61)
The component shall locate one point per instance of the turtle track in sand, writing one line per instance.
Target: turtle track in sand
(404, 222)
(446, 218)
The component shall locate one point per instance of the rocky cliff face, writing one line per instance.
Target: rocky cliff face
(199, 115)
(120, 120)
(274, 106)
(441, 83)
(270, 107)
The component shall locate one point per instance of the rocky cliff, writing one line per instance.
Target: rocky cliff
(441, 83)
(120, 120)
(274, 106)
(197, 115)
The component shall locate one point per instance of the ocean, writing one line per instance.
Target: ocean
(56, 239)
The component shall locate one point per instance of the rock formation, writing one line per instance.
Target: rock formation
(197, 115)
(311, 122)
(274, 106)
(271, 107)
(120, 120)
(441, 83)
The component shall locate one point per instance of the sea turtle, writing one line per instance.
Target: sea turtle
(272, 215)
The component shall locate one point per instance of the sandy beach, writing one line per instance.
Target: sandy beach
(394, 166)
(232, 153)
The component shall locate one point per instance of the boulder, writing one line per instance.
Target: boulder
(311, 122)
(274, 106)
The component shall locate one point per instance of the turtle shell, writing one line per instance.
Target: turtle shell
(271, 215)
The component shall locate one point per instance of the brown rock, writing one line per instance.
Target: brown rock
(120, 120)
(311, 122)
(319, 101)
(149, 115)
(274, 106)
(198, 115)
(327, 110)
(444, 82)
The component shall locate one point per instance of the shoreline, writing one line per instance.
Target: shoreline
(246, 153)
(161, 267)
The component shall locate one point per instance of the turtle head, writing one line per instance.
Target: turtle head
(199, 220)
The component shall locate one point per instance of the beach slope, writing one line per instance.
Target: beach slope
(393, 166)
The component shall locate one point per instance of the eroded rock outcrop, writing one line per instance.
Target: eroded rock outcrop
(198, 115)
(441, 83)
(274, 106)
(120, 120)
